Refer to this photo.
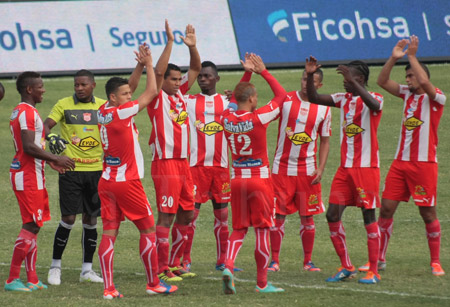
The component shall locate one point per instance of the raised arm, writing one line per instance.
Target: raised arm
(260, 68)
(195, 64)
(310, 68)
(384, 80)
(151, 91)
(163, 61)
(418, 70)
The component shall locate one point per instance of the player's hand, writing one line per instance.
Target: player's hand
(247, 63)
(144, 56)
(228, 93)
(413, 46)
(169, 33)
(258, 64)
(399, 50)
(190, 39)
(62, 164)
(56, 143)
(317, 176)
(345, 72)
(311, 65)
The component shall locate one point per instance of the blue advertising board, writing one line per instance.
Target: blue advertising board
(288, 31)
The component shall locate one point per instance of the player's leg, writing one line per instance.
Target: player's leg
(433, 229)
(386, 224)
(163, 225)
(307, 235)
(190, 239)
(373, 246)
(276, 237)
(221, 232)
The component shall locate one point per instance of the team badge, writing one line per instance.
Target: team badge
(352, 130)
(87, 117)
(419, 190)
(226, 188)
(361, 192)
(210, 128)
(298, 138)
(412, 123)
(304, 111)
(313, 200)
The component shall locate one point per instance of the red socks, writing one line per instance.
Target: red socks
(190, 237)
(373, 245)
(106, 257)
(385, 226)
(179, 238)
(307, 234)
(434, 240)
(234, 245)
(221, 233)
(147, 250)
(23, 246)
(162, 246)
(276, 237)
(337, 235)
(262, 255)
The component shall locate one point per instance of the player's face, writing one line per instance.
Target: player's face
(411, 81)
(172, 83)
(84, 88)
(317, 83)
(37, 90)
(348, 86)
(122, 95)
(207, 79)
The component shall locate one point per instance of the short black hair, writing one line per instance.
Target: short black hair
(362, 68)
(408, 67)
(209, 64)
(85, 73)
(171, 67)
(26, 79)
(113, 84)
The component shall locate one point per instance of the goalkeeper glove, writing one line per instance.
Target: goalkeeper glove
(56, 143)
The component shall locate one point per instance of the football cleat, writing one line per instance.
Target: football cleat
(187, 266)
(370, 278)
(273, 267)
(342, 274)
(228, 282)
(54, 276)
(437, 270)
(310, 267)
(269, 288)
(37, 286)
(168, 276)
(111, 294)
(179, 271)
(90, 276)
(16, 285)
(161, 288)
(221, 267)
(366, 267)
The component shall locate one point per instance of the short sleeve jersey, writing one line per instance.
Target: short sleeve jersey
(169, 138)
(301, 123)
(26, 172)
(78, 122)
(123, 158)
(359, 125)
(419, 130)
(246, 136)
(208, 144)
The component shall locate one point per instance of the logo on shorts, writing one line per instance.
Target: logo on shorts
(298, 138)
(361, 192)
(210, 128)
(226, 188)
(313, 200)
(352, 130)
(179, 118)
(15, 164)
(412, 123)
(419, 190)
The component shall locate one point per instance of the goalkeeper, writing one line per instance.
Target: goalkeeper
(79, 140)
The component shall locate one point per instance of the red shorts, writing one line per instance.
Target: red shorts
(252, 203)
(123, 199)
(173, 185)
(356, 187)
(33, 206)
(416, 179)
(296, 193)
(211, 182)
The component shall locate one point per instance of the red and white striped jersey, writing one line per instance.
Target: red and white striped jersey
(122, 158)
(300, 125)
(26, 172)
(208, 143)
(246, 137)
(419, 130)
(359, 142)
(169, 138)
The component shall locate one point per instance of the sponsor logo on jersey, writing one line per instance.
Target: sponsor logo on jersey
(210, 128)
(249, 162)
(15, 164)
(87, 117)
(179, 118)
(352, 130)
(313, 200)
(86, 129)
(240, 127)
(113, 161)
(419, 190)
(104, 119)
(226, 188)
(84, 144)
(14, 114)
(278, 21)
(299, 138)
(412, 123)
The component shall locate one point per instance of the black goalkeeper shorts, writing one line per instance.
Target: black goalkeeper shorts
(78, 193)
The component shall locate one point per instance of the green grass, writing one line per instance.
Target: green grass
(407, 281)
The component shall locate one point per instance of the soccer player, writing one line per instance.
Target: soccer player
(120, 188)
(77, 115)
(295, 175)
(357, 180)
(414, 170)
(28, 179)
(251, 186)
(169, 144)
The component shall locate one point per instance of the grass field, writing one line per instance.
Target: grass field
(406, 282)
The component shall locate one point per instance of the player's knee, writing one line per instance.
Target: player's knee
(68, 219)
